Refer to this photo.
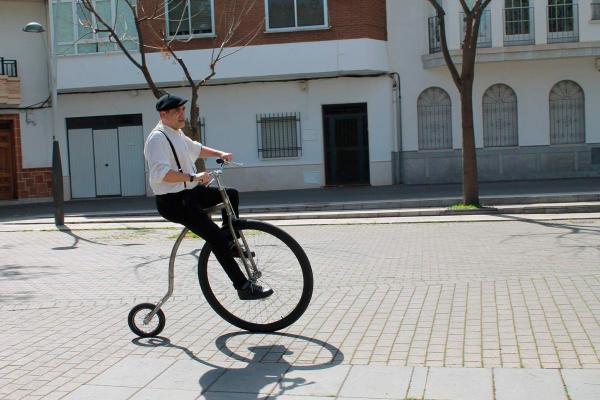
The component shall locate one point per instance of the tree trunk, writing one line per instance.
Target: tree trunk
(470, 180)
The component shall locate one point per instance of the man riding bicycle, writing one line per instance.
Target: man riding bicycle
(182, 194)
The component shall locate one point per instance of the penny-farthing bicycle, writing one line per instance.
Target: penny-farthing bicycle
(270, 258)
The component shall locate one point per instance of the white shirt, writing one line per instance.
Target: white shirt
(160, 158)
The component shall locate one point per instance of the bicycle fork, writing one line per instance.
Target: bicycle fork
(243, 250)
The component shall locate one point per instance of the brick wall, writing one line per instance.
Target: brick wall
(31, 182)
(348, 19)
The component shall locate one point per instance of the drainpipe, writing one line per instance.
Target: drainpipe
(397, 150)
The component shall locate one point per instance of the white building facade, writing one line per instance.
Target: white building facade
(536, 91)
(327, 94)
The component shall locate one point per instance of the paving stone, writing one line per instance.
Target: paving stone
(254, 378)
(187, 375)
(526, 384)
(165, 394)
(459, 383)
(321, 381)
(417, 383)
(376, 382)
(96, 392)
(582, 384)
(132, 372)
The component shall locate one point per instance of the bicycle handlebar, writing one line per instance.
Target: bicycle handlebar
(222, 163)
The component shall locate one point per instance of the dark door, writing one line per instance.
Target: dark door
(7, 172)
(346, 144)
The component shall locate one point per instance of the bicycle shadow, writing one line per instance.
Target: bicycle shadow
(257, 379)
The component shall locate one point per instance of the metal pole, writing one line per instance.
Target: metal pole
(57, 176)
(57, 186)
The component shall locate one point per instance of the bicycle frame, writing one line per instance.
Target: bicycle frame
(249, 263)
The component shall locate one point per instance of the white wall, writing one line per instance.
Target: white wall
(29, 51)
(326, 58)
(230, 115)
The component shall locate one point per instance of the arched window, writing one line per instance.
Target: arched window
(500, 127)
(434, 113)
(567, 113)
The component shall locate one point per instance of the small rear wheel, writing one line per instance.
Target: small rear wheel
(283, 267)
(136, 320)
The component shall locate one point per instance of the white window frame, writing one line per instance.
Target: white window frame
(75, 26)
(197, 35)
(296, 28)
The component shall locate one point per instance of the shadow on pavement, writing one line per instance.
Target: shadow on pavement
(77, 239)
(256, 375)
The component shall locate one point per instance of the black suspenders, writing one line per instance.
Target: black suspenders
(174, 154)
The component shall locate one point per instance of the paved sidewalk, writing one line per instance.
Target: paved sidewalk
(566, 191)
(441, 311)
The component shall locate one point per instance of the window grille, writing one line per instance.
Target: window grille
(435, 41)
(434, 114)
(295, 14)
(567, 113)
(8, 67)
(563, 21)
(500, 124)
(189, 17)
(519, 28)
(278, 135)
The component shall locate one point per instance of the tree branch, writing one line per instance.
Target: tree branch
(444, 43)
(465, 7)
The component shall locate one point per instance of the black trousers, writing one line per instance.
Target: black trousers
(186, 207)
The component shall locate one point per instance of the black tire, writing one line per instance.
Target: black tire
(285, 268)
(136, 320)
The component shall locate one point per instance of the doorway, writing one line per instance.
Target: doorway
(7, 162)
(346, 141)
(106, 156)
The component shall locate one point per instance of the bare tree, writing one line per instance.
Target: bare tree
(464, 83)
(151, 36)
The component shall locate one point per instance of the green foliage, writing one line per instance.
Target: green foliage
(464, 207)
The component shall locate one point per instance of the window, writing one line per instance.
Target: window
(484, 36)
(518, 23)
(279, 135)
(567, 114)
(595, 10)
(73, 26)
(563, 21)
(296, 14)
(190, 17)
(434, 114)
(500, 127)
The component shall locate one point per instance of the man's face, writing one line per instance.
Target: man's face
(175, 117)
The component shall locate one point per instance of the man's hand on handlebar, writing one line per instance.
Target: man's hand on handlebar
(227, 156)
(203, 178)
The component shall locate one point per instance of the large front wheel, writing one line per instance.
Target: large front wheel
(284, 267)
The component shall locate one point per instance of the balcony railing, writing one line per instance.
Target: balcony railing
(563, 23)
(519, 27)
(434, 35)
(484, 39)
(596, 11)
(8, 67)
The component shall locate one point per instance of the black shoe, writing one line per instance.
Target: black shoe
(236, 254)
(252, 291)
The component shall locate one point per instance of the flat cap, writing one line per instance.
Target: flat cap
(168, 102)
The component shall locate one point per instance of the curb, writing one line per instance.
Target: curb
(144, 217)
